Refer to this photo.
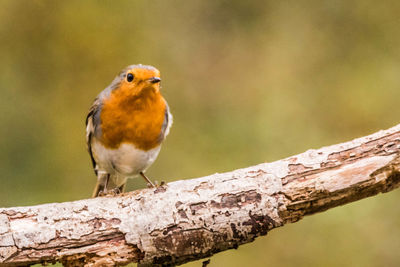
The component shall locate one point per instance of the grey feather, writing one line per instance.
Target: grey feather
(92, 128)
(166, 123)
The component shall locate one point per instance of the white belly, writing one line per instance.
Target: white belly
(126, 160)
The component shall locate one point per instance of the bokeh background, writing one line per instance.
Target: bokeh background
(247, 82)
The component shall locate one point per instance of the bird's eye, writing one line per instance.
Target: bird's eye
(129, 77)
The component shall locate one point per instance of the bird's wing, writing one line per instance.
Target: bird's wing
(91, 125)
(167, 122)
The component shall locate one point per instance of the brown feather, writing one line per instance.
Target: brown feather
(131, 118)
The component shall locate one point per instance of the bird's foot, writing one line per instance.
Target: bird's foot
(162, 183)
(115, 191)
(156, 184)
(112, 192)
(101, 193)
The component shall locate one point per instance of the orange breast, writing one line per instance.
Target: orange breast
(132, 119)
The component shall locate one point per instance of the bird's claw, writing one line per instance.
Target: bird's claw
(112, 192)
(162, 183)
(156, 184)
(101, 194)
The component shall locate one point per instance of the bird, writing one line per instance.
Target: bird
(125, 127)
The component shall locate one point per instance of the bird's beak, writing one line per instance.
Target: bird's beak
(154, 80)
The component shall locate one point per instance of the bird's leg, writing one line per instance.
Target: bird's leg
(104, 192)
(113, 191)
(121, 189)
(101, 185)
(106, 184)
(118, 190)
(149, 183)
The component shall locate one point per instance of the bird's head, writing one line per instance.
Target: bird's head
(140, 78)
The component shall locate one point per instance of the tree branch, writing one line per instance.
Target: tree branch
(194, 219)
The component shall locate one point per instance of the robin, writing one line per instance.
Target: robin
(125, 127)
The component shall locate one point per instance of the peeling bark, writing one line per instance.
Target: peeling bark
(193, 219)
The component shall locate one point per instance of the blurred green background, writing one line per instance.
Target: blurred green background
(247, 82)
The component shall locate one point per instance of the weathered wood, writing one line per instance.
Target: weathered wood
(193, 219)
